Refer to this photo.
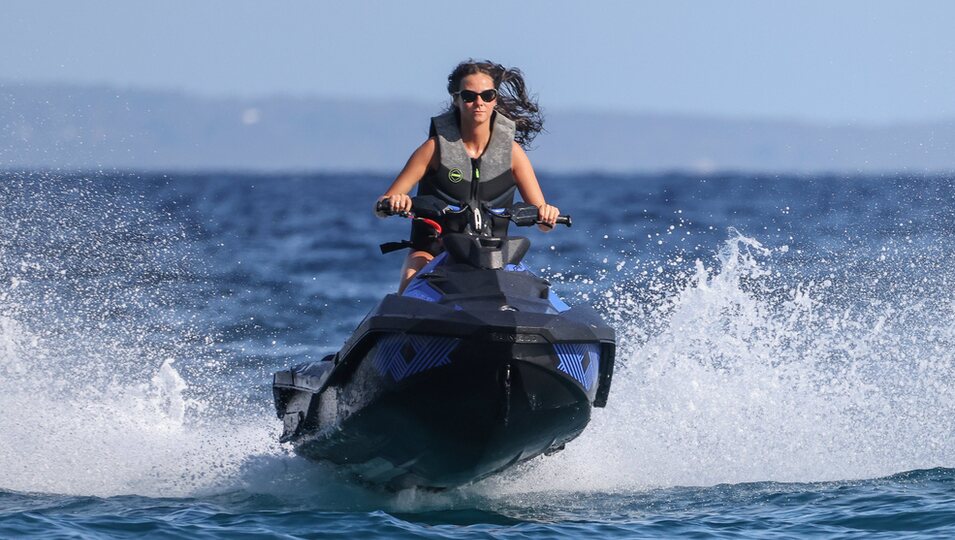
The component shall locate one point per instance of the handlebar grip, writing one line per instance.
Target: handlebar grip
(383, 207)
(561, 220)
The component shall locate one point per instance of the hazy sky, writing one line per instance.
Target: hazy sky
(830, 60)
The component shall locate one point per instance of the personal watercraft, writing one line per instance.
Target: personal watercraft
(477, 366)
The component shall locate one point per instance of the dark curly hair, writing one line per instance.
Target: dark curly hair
(512, 100)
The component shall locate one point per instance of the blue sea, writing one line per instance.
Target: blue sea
(786, 358)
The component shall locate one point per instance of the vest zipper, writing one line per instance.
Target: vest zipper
(475, 178)
(477, 222)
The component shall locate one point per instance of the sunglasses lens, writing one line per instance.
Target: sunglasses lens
(470, 96)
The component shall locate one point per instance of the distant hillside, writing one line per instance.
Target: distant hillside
(57, 126)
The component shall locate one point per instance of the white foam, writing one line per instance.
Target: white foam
(733, 375)
(72, 437)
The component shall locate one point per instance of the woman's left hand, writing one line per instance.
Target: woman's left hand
(547, 215)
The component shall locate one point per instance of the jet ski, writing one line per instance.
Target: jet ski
(475, 367)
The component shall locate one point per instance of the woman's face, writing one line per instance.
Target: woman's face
(478, 111)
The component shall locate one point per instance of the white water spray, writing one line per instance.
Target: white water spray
(90, 400)
(73, 436)
(736, 376)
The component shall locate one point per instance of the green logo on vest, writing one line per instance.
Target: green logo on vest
(455, 175)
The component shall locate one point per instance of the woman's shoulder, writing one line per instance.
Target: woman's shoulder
(427, 152)
(519, 157)
(429, 144)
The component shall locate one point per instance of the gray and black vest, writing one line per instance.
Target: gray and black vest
(460, 179)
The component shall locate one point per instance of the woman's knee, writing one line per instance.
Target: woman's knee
(414, 262)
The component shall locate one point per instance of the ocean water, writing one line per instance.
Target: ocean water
(786, 358)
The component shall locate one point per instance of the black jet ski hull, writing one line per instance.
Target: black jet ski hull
(477, 366)
(478, 412)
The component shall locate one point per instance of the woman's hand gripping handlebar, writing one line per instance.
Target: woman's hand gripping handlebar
(525, 215)
(425, 209)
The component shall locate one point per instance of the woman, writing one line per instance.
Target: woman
(474, 154)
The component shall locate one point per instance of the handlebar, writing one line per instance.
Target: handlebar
(565, 220)
(521, 214)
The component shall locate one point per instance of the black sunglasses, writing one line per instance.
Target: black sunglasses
(470, 96)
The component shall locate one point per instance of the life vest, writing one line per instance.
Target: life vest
(459, 178)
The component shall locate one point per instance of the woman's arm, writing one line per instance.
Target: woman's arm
(417, 166)
(529, 187)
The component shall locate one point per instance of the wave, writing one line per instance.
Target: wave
(745, 367)
(737, 372)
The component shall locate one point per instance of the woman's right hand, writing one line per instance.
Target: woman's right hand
(399, 203)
